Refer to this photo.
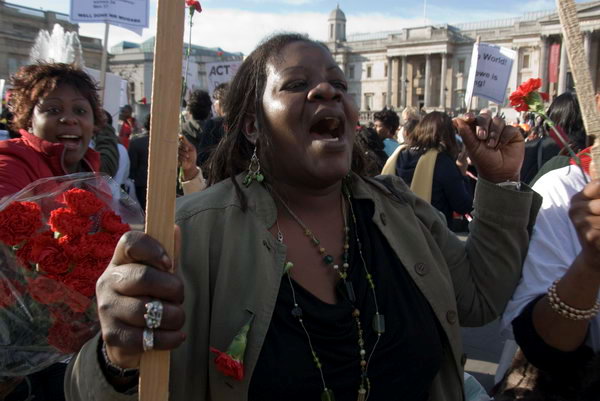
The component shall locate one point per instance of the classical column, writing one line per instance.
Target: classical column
(587, 45)
(388, 95)
(543, 71)
(427, 80)
(443, 81)
(562, 73)
(403, 101)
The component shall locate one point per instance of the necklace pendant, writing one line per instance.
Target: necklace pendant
(362, 394)
(280, 237)
(350, 291)
(379, 323)
(327, 395)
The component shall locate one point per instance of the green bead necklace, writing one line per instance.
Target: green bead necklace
(364, 388)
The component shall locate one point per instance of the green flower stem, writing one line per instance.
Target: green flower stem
(237, 348)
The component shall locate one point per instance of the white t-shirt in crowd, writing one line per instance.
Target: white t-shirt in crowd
(553, 247)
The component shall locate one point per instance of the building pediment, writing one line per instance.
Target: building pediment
(585, 11)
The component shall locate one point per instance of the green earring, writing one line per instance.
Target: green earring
(254, 173)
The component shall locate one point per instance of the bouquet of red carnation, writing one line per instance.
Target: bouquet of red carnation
(57, 237)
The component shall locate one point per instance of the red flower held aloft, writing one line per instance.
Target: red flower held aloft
(45, 291)
(8, 292)
(68, 222)
(195, 4)
(228, 365)
(19, 221)
(83, 202)
(526, 97)
(68, 336)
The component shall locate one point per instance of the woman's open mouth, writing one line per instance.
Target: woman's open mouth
(328, 129)
(69, 141)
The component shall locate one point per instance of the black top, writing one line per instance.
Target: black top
(138, 157)
(451, 191)
(537, 152)
(406, 359)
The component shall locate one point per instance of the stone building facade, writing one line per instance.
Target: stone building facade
(427, 67)
(19, 27)
(134, 63)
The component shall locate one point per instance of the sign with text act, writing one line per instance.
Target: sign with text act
(489, 72)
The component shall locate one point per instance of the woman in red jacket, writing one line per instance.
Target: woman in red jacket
(56, 109)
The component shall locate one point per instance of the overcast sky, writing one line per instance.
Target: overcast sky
(238, 25)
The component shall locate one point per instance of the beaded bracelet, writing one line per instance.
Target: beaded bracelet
(567, 311)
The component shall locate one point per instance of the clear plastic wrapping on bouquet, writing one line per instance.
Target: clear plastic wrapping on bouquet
(57, 236)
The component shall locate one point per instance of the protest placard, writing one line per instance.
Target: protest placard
(489, 72)
(219, 72)
(128, 14)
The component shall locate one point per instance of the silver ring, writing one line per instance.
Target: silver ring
(153, 315)
(148, 340)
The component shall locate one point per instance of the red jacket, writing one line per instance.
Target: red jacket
(29, 158)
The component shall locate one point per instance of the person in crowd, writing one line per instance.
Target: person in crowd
(553, 313)
(106, 143)
(214, 130)
(386, 125)
(407, 130)
(192, 179)
(199, 109)
(323, 283)
(128, 125)
(540, 146)
(56, 108)
(138, 157)
(372, 146)
(428, 165)
(566, 115)
(218, 98)
(409, 114)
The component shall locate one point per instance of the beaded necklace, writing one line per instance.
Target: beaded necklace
(364, 388)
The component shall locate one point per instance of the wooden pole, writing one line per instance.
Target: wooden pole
(162, 166)
(477, 42)
(580, 69)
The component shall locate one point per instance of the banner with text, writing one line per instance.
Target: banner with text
(129, 14)
(219, 72)
(489, 72)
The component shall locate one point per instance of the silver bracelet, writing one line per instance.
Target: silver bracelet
(115, 370)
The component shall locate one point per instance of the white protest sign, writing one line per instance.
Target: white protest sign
(220, 72)
(129, 14)
(489, 72)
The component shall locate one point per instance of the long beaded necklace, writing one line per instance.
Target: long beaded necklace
(364, 388)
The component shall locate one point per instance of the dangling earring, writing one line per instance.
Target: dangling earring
(254, 173)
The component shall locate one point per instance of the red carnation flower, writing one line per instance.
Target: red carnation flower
(69, 222)
(83, 202)
(50, 257)
(228, 365)
(83, 278)
(194, 4)
(45, 291)
(111, 222)
(19, 221)
(531, 85)
(519, 101)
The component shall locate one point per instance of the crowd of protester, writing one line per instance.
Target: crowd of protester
(273, 190)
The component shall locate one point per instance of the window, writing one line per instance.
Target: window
(385, 70)
(369, 71)
(384, 99)
(351, 72)
(331, 31)
(461, 66)
(422, 69)
(369, 101)
(526, 61)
